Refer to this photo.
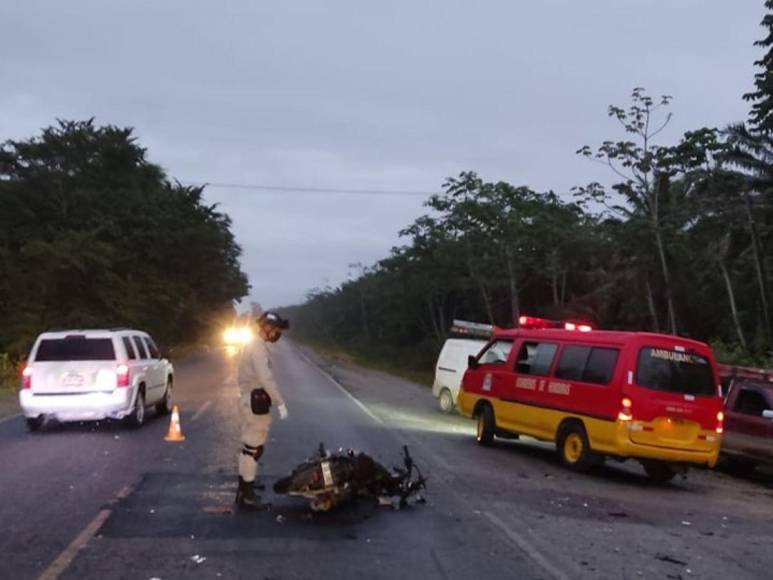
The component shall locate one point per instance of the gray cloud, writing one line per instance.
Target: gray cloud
(387, 95)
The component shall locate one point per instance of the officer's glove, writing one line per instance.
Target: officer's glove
(282, 411)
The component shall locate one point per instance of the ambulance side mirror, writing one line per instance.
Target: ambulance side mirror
(472, 362)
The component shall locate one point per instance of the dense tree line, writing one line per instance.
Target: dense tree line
(92, 234)
(681, 243)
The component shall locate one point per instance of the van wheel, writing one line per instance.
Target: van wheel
(446, 401)
(659, 472)
(136, 418)
(574, 449)
(164, 406)
(486, 427)
(33, 423)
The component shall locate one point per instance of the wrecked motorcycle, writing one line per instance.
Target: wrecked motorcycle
(329, 479)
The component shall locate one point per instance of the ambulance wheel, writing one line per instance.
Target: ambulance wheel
(486, 426)
(574, 448)
(659, 472)
(446, 401)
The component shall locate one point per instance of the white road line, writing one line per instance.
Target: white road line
(354, 399)
(526, 546)
(201, 410)
(9, 418)
(522, 543)
(64, 559)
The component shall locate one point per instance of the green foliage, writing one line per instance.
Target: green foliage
(681, 243)
(9, 374)
(761, 116)
(92, 234)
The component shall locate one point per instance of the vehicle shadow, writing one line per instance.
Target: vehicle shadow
(611, 472)
(102, 426)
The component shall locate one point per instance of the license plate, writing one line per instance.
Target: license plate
(72, 380)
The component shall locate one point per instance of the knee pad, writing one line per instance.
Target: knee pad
(254, 452)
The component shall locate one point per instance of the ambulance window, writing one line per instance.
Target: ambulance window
(600, 366)
(674, 371)
(571, 363)
(497, 353)
(587, 364)
(535, 358)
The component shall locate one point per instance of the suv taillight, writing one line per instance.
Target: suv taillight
(26, 378)
(122, 375)
(720, 422)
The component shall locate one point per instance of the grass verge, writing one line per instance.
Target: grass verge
(370, 360)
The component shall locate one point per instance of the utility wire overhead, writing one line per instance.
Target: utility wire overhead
(294, 189)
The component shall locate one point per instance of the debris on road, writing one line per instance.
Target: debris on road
(686, 523)
(669, 559)
(329, 479)
(280, 519)
(196, 559)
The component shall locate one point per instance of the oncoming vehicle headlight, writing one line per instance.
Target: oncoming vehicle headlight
(237, 335)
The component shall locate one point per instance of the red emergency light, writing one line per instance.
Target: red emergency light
(540, 323)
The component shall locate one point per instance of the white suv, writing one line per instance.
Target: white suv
(82, 375)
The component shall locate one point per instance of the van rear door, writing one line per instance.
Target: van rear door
(75, 363)
(674, 399)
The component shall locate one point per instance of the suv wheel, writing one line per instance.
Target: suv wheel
(164, 406)
(33, 423)
(486, 426)
(446, 401)
(137, 417)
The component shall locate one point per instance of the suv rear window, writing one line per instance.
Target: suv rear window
(74, 348)
(674, 371)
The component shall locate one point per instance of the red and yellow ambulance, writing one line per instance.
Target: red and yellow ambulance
(651, 397)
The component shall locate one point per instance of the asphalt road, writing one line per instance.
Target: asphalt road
(94, 501)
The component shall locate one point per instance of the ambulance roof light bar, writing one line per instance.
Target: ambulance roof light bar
(534, 322)
(472, 329)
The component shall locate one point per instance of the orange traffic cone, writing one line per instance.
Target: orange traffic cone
(175, 433)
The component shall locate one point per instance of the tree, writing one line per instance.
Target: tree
(761, 115)
(93, 234)
(640, 166)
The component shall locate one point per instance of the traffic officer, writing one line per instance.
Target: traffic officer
(258, 394)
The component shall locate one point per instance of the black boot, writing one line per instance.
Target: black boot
(246, 498)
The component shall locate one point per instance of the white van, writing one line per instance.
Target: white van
(450, 368)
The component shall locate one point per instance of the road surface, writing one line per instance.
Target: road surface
(97, 500)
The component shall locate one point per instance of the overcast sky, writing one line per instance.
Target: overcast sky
(365, 95)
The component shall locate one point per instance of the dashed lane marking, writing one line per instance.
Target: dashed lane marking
(517, 539)
(202, 410)
(341, 388)
(58, 566)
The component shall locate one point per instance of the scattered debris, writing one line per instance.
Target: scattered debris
(329, 479)
(280, 518)
(686, 523)
(218, 509)
(196, 559)
(669, 559)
